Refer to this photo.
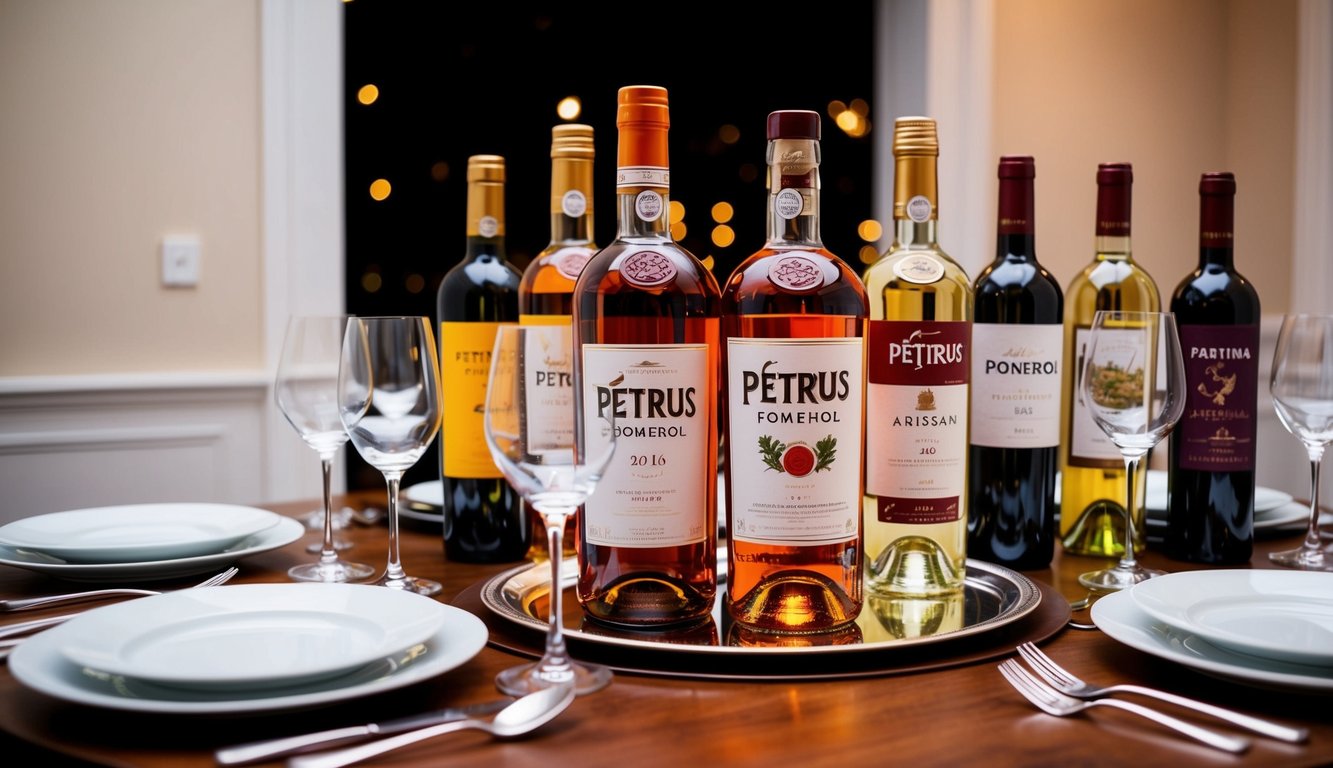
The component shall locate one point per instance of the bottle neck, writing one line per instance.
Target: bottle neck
(915, 201)
(485, 219)
(571, 200)
(1113, 207)
(1216, 228)
(793, 193)
(1015, 223)
(643, 212)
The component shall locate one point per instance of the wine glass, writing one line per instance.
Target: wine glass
(389, 399)
(535, 450)
(1133, 383)
(306, 391)
(1302, 387)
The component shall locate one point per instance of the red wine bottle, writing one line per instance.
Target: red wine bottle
(1211, 473)
(1017, 346)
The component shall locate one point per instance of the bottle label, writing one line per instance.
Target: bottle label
(794, 432)
(548, 387)
(916, 419)
(789, 203)
(653, 492)
(1088, 444)
(1217, 430)
(1016, 385)
(569, 261)
(919, 209)
(573, 203)
(643, 176)
(796, 273)
(465, 366)
(647, 269)
(919, 268)
(488, 226)
(648, 205)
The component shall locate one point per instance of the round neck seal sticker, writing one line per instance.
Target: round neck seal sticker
(648, 205)
(573, 204)
(919, 268)
(796, 273)
(569, 261)
(488, 226)
(647, 269)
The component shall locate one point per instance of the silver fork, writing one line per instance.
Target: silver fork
(1051, 701)
(1067, 683)
(24, 604)
(24, 627)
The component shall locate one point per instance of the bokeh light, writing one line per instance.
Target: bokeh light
(368, 94)
(380, 189)
(569, 108)
(723, 236)
(870, 230)
(722, 212)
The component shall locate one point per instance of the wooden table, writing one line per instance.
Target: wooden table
(963, 715)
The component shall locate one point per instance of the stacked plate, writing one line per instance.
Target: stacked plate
(248, 648)
(1267, 627)
(142, 541)
(424, 502)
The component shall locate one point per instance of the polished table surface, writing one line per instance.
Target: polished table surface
(964, 714)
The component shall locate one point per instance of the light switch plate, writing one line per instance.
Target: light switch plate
(180, 261)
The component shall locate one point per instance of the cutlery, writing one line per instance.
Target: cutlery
(23, 604)
(1051, 701)
(256, 751)
(1069, 684)
(520, 717)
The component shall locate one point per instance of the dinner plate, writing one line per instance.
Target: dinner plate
(285, 532)
(250, 635)
(1285, 615)
(993, 596)
(1120, 617)
(424, 502)
(133, 533)
(38, 664)
(1156, 499)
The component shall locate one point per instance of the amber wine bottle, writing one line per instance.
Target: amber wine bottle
(918, 366)
(1211, 473)
(546, 294)
(646, 325)
(793, 317)
(484, 521)
(1017, 343)
(1092, 483)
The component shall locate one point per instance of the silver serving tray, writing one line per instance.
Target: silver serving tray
(993, 597)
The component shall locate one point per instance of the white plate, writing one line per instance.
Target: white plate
(1155, 498)
(250, 635)
(38, 664)
(1285, 615)
(1122, 620)
(430, 493)
(285, 532)
(133, 533)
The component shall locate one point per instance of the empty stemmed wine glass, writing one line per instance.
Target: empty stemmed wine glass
(1302, 388)
(389, 399)
(1133, 382)
(535, 450)
(306, 391)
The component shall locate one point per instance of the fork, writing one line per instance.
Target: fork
(1051, 701)
(1067, 683)
(72, 597)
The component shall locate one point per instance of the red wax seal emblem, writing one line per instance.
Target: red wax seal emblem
(796, 273)
(647, 269)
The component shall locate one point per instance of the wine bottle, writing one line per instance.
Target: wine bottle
(1017, 344)
(1092, 483)
(545, 295)
(646, 331)
(917, 369)
(484, 520)
(1211, 473)
(793, 317)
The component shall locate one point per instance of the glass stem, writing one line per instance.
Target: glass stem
(328, 555)
(1127, 560)
(394, 570)
(1312, 542)
(556, 654)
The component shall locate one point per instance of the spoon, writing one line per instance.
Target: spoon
(524, 715)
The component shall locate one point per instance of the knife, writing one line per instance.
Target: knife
(253, 752)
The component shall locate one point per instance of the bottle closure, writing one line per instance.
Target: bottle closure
(1114, 184)
(1217, 206)
(916, 150)
(571, 170)
(485, 196)
(1016, 174)
(642, 119)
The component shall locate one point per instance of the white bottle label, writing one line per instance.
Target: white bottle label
(548, 387)
(653, 492)
(1016, 376)
(1088, 444)
(488, 226)
(648, 205)
(794, 410)
(789, 204)
(573, 203)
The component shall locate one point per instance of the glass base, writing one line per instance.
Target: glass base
(339, 545)
(331, 573)
(1117, 578)
(409, 584)
(1304, 559)
(528, 678)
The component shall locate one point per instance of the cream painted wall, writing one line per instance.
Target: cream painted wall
(1176, 88)
(123, 122)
